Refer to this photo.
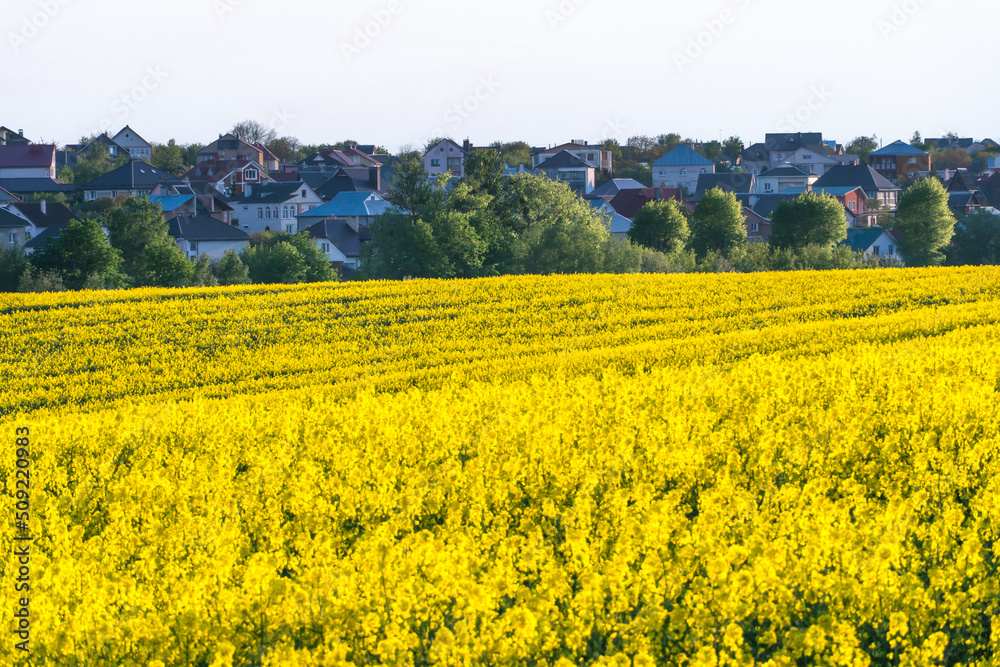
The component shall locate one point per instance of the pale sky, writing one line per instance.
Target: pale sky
(543, 71)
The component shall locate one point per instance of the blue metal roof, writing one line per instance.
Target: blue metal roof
(350, 205)
(899, 148)
(683, 156)
(170, 202)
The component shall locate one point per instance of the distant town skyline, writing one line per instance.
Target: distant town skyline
(398, 72)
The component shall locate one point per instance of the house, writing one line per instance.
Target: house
(274, 206)
(964, 196)
(765, 205)
(231, 147)
(135, 179)
(43, 214)
(614, 186)
(595, 155)
(814, 160)
(738, 182)
(618, 224)
(852, 198)
(15, 230)
(229, 177)
(204, 235)
(784, 177)
(875, 186)
(339, 240)
(680, 169)
(137, 147)
(352, 179)
(945, 143)
(755, 158)
(7, 196)
(358, 208)
(327, 160)
(176, 205)
(758, 227)
(780, 146)
(989, 186)
(27, 161)
(874, 242)
(901, 160)
(9, 137)
(359, 158)
(627, 203)
(446, 156)
(566, 167)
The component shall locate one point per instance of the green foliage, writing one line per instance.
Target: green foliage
(230, 270)
(317, 265)
(201, 274)
(12, 265)
(81, 257)
(976, 240)
(717, 224)
(273, 264)
(950, 158)
(33, 280)
(151, 257)
(757, 257)
(96, 162)
(622, 256)
(514, 153)
(66, 175)
(254, 132)
(809, 219)
(926, 223)
(732, 147)
(682, 261)
(169, 158)
(862, 147)
(661, 225)
(286, 149)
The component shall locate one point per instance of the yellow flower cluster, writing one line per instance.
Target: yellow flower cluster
(690, 470)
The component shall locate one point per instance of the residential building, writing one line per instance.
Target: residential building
(964, 195)
(758, 227)
(874, 242)
(274, 207)
(446, 156)
(618, 224)
(27, 161)
(135, 179)
(340, 241)
(780, 146)
(204, 235)
(755, 158)
(739, 182)
(231, 147)
(566, 167)
(327, 160)
(359, 208)
(610, 189)
(628, 202)
(594, 154)
(229, 177)
(185, 206)
(680, 168)
(876, 187)
(9, 137)
(6, 196)
(784, 177)
(814, 160)
(353, 179)
(137, 147)
(900, 160)
(15, 230)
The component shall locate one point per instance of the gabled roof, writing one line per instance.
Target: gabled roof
(346, 179)
(12, 136)
(962, 181)
(446, 141)
(213, 171)
(351, 151)
(616, 185)
(790, 141)
(854, 175)
(945, 142)
(755, 153)
(127, 131)
(683, 156)
(31, 156)
(899, 148)
(170, 202)
(350, 205)
(861, 240)
(962, 200)
(786, 170)
(737, 182)
(272, 193)
(35, 185)
(341, 235)
(566, 160)
(136, 175)
(765, 204)
(619, 223)
(56, 214)
(49, 233)
(628, 202)
(9, 220)
(104, 140)
(7, 196)
(204, 228)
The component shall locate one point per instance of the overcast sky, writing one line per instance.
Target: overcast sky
(397, 72)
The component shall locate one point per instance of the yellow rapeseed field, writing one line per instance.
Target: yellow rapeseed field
(692, 470)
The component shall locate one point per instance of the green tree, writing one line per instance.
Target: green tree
(286, 149)
(514, 153)
(917, 141)
(96, 162)
(717, 224)
(925, 222)
(862, 147)
(318, 267)
(615, 148)
(976, 240)
(66, 175)
(230, 270)
(81, 256)
(713, 150)
(169, 157)
(661, 225)
(274, 264)
(809, 219)
(13, 263)
(732, 148)
(254, 132)
(670, 141)
(190, 153)
(138, 230)
(201, 273)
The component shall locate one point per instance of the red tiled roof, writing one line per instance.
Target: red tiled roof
(31, 156)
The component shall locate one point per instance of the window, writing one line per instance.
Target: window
(260, 213)
(754, 227)
(909, 175)
(892, 251)
(13, 237)
(703, 170)
(767, 187)
(27, 236)
(913, 160)
(875, 250)
(326, 247)
(663, 173)
(303, 194)
(807, 157)
(268, 216)
(275, 212)
(435, 162)
(250, 174)
(850, 205)
(684, 172)
(194, 246)
(289, 229)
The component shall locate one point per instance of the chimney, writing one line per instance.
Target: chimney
(467, 146)
(43, 208)
(21, 132)
(375, 177)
